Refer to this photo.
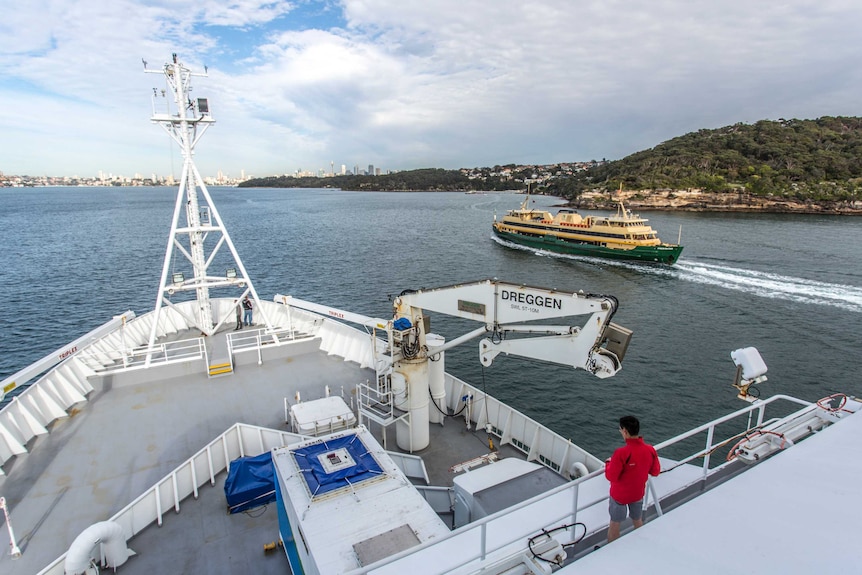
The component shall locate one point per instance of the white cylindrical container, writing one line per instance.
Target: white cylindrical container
(436, 375)
(399, 391)
(415, 436)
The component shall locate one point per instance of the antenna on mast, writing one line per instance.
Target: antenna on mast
(197, 232)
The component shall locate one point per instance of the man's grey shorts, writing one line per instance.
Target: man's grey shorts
(618, 510)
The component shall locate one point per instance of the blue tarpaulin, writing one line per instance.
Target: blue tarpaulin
(402, 323)
(321, 481)
(250, 482)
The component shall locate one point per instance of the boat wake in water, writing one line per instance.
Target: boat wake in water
(772, 285)
(763, 284)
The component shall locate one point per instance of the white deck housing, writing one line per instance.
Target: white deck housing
(353, 525)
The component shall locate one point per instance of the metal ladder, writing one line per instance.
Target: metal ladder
(375, 399)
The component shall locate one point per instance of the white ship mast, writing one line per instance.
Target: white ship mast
(196, 220)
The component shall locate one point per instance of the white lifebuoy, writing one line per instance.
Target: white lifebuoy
(578, 469)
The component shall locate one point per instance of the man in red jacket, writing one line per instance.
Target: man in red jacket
(627, 470)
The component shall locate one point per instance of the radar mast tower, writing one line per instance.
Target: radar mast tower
(196, 219)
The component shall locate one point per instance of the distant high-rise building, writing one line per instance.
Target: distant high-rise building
(370, 169)
(355, 170)
(343, 170)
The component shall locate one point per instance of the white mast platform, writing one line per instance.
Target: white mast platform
(197, 233)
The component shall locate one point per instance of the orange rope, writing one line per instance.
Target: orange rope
(841, 404)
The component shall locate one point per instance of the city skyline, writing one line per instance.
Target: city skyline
(316, 84)
(540, 172)
(220, 175)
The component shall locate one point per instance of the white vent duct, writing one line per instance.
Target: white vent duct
(113, 551)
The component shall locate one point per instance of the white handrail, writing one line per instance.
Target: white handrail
(23, 376)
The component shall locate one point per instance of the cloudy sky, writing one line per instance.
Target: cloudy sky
(406, 84)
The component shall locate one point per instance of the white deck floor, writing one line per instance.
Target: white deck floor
(126, 438)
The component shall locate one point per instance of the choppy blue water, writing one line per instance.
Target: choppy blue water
(789, 285)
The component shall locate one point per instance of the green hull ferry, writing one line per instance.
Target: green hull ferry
(623, 236)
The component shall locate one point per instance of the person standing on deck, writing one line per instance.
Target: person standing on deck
(238, 315)
(247, 305)
(628, 470)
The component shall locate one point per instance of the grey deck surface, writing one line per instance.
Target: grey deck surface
(126, 438)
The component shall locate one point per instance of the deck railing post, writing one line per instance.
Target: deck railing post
(709, 436)
(13, 545)
(654, 497)
(575, 494)
(259, 349)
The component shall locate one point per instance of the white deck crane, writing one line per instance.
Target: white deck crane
(507, 309)
(513, 319)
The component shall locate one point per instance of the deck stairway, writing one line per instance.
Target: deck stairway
(219, 357)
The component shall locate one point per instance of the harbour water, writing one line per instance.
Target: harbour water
(790, 285)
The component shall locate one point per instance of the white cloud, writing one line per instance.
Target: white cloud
(405, 84)
(242, 13)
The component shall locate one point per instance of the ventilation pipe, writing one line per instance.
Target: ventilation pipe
(112, 551)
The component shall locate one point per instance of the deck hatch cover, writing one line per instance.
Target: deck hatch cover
(386, 544)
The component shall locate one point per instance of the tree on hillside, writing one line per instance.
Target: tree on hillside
(781, 158)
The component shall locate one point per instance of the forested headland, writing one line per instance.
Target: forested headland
(423, 180)
(786, 161)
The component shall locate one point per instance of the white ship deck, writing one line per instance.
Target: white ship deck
(130, 435)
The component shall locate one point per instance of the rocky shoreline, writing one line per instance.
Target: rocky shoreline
(699, 201)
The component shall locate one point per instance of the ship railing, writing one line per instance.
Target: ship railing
(240, 440)
(511, 427)
(755, 415)
(257, 339)
(376, 403)
(502, 535)
(163, 353)
(172, 322)
(44, 392)
(76, 348)
(336, 338)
